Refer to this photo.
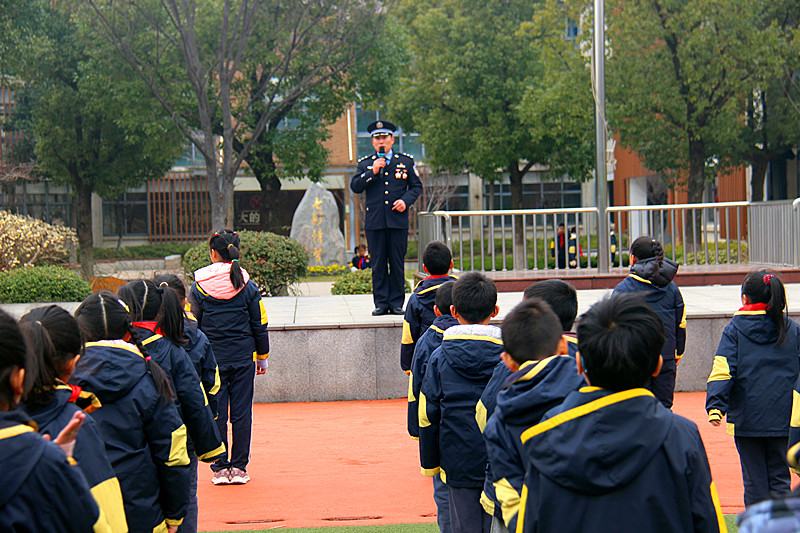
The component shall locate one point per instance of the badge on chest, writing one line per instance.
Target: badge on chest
(401, 172)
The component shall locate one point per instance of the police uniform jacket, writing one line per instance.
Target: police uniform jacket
(89, 451)
(398, 180)
(616, 461)
(428, 342)
(42, 491)
(202, 356)
(525, 396)
(419, 316)
(664, 297)
(449, 437)
(145, 437)
(752, 378)
(234, 320)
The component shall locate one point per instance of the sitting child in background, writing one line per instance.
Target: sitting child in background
(612, 457)
(360, 261)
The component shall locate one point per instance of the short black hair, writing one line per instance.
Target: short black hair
(474, 297)
(620, 339)
(437, 258)
(560, 296)
(531, 331)
(444, 297)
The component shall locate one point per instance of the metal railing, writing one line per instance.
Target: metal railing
(692, 234)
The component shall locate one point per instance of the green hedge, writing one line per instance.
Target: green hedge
(358, 282)
(273, 261)
(42, 284)
(148, 251)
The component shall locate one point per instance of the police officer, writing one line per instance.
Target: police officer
(391, 185)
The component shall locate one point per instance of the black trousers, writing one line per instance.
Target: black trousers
(387, 251)
(663, 385)
(764, 469)
(466, 512)
(235, 392)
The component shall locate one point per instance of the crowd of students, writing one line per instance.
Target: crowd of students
(157, 378)
(529, 427)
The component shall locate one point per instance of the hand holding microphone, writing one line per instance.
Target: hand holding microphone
(379, 163)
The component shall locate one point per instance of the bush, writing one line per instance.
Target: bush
(42, 284)
(148, 251)
(26, 241)
(358, 282)
(274, 262)
(331, 270)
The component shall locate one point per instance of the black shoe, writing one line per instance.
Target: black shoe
(379, 311)
(397, 311)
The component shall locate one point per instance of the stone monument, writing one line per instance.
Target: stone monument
(315, 225)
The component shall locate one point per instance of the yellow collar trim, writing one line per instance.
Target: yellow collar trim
(634, 276)
(116, 344)
(474, 338)
(13, 431)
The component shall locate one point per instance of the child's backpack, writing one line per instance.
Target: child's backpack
(781, 515)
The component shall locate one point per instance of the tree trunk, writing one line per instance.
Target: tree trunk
(759, 165)
(695, 188)
(515, 179)
(83, 206)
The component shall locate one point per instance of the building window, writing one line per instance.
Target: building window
(406, 143)
(126, 215)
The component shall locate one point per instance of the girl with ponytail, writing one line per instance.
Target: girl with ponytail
(55, 344)
(230, 311)
(139, 422)
(755, 371)
(652, 274)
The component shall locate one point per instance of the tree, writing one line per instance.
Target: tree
(231, 69)
(91, 128)
(477, 66)
(677, 75)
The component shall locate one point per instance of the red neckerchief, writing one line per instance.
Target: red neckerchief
(431, 276)
(361, 263)
(755, 307)
(150, 325)
(76, 393)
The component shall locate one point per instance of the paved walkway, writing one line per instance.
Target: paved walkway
(352, 463)
(316, 306)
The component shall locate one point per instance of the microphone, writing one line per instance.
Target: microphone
(382, 154)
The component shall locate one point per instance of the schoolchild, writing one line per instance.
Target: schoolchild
(652, 274)
(157, 319)
(141, 426)
(197, 345)
(574, 249)
(437, 262)
(535, 377)
(231, 313)
(428, 342)
(755, 369)
(458, 371)
(563, 300)
(33, 466)
(360, 261)
(611, 457)
(55, 343)
(558, 247)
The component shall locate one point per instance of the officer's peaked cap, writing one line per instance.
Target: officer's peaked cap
(381, 127)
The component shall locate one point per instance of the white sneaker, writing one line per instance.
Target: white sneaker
(239, 476)
(222, 477)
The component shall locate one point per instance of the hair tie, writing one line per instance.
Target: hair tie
(147, 358)
(232, 260)
(216, 234)
(229, 246)
(767, 278)
(124, 305)
(163, 283)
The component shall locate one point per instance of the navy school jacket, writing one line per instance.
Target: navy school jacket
(483, 411)
(145, 438)
(190, 396)
(450, 440)
(41, 490)
(235, 321)
(202, 356)
(89, 452)
(526, 395)
(609, 461)
(665, 299)
(752, 378)
(419, 316)
(428, 342)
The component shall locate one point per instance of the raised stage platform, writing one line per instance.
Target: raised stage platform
(330, 347)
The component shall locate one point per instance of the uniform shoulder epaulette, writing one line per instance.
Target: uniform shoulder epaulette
(407, 155)
(363, 158)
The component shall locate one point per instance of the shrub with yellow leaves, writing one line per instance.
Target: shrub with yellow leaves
(27, 241)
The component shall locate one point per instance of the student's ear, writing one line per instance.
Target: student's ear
(425, 269)
(436, 311)
(745, 299)
(496, 311)
(453, 312)
(69, 366)
(658, 366)
(510, 363)
(17, 381)
(451, 265)
(563, 346)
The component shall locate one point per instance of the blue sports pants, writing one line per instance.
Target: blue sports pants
(236, 394)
